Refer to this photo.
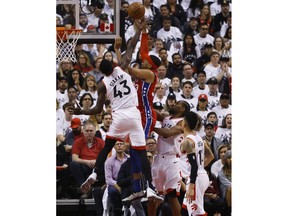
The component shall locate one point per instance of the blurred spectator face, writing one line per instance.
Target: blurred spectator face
(175, 82)
(124, 7)
(187, 89)
(163, 55)
(187, 71)
(164, 10)
(83, 21)
(107, 120)
(89, 132)
(177, 59)
(161, 71)
(166, 25)
(203, 30)
(63, 84)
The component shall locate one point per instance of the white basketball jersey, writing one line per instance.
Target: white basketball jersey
(120, 89)
(169, 145)
(199, 147)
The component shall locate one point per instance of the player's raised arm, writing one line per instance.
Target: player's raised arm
(100, 102)
(127, 56)
(144, 74)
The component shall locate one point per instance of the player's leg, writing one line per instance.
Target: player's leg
(99, 172)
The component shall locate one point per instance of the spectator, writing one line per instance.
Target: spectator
(61, 92)
(158, 45)
(63, 124)
(83, 22)
(106, 120)
(191, 26)
(94, 14)
(225, 75)
(90, 86)
(63, 172)
(96, 71)
(224, 132)
(83, 64)
(151, 12)
(170, 102)
(72, 135)
(219, 163)
(202, 110)
(176, 67)
(171, 35)
(177, 11)
(84, 154)
(189, 51)
(202, 87)
(221, 17)
(212, 118)
(109, 8)
(160, 94)
(187, 95)
(107, 106)
(204, 59)
(76, 79)
(219, 45)
(59, 20)
(73, 95)
(211, 140)
(188, 72)
(176, 86)
(193, 11)
(151, 145)
(63, 68)
(158, 22)
(162, 79)
(214, 204)
(223, 108)
(80, 49)
(225, 177)
(203, 37)
(163, 54)
(215, 7)
(124, 180)
(125, 22)
(112, 167)
(86, 102)
(213, 94)
(110, 56)
(205, 18)
(212, 69)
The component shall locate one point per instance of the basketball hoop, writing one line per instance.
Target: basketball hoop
(66, 40)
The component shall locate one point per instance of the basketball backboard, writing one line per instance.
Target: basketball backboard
(106, 32)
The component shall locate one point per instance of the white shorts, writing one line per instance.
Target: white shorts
(201, 185)
(166, 173)
(126, 125)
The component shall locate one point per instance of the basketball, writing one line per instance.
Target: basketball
(136, 10)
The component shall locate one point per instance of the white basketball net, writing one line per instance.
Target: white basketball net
(65, 45)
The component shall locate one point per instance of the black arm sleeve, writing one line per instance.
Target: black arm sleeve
(194, 167)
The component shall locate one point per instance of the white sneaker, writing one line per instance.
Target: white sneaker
(151, 194)
(85, 187)
(134, 196)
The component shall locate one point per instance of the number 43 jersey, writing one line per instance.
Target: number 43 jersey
(120, 89)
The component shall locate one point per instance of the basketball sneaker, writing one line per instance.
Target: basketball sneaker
(134, 196)
(85, 187)
(151, 194)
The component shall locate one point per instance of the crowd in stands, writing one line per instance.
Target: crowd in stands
(193, 41)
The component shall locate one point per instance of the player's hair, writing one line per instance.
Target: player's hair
(191, 119)
(186, 105)
(106, 67)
